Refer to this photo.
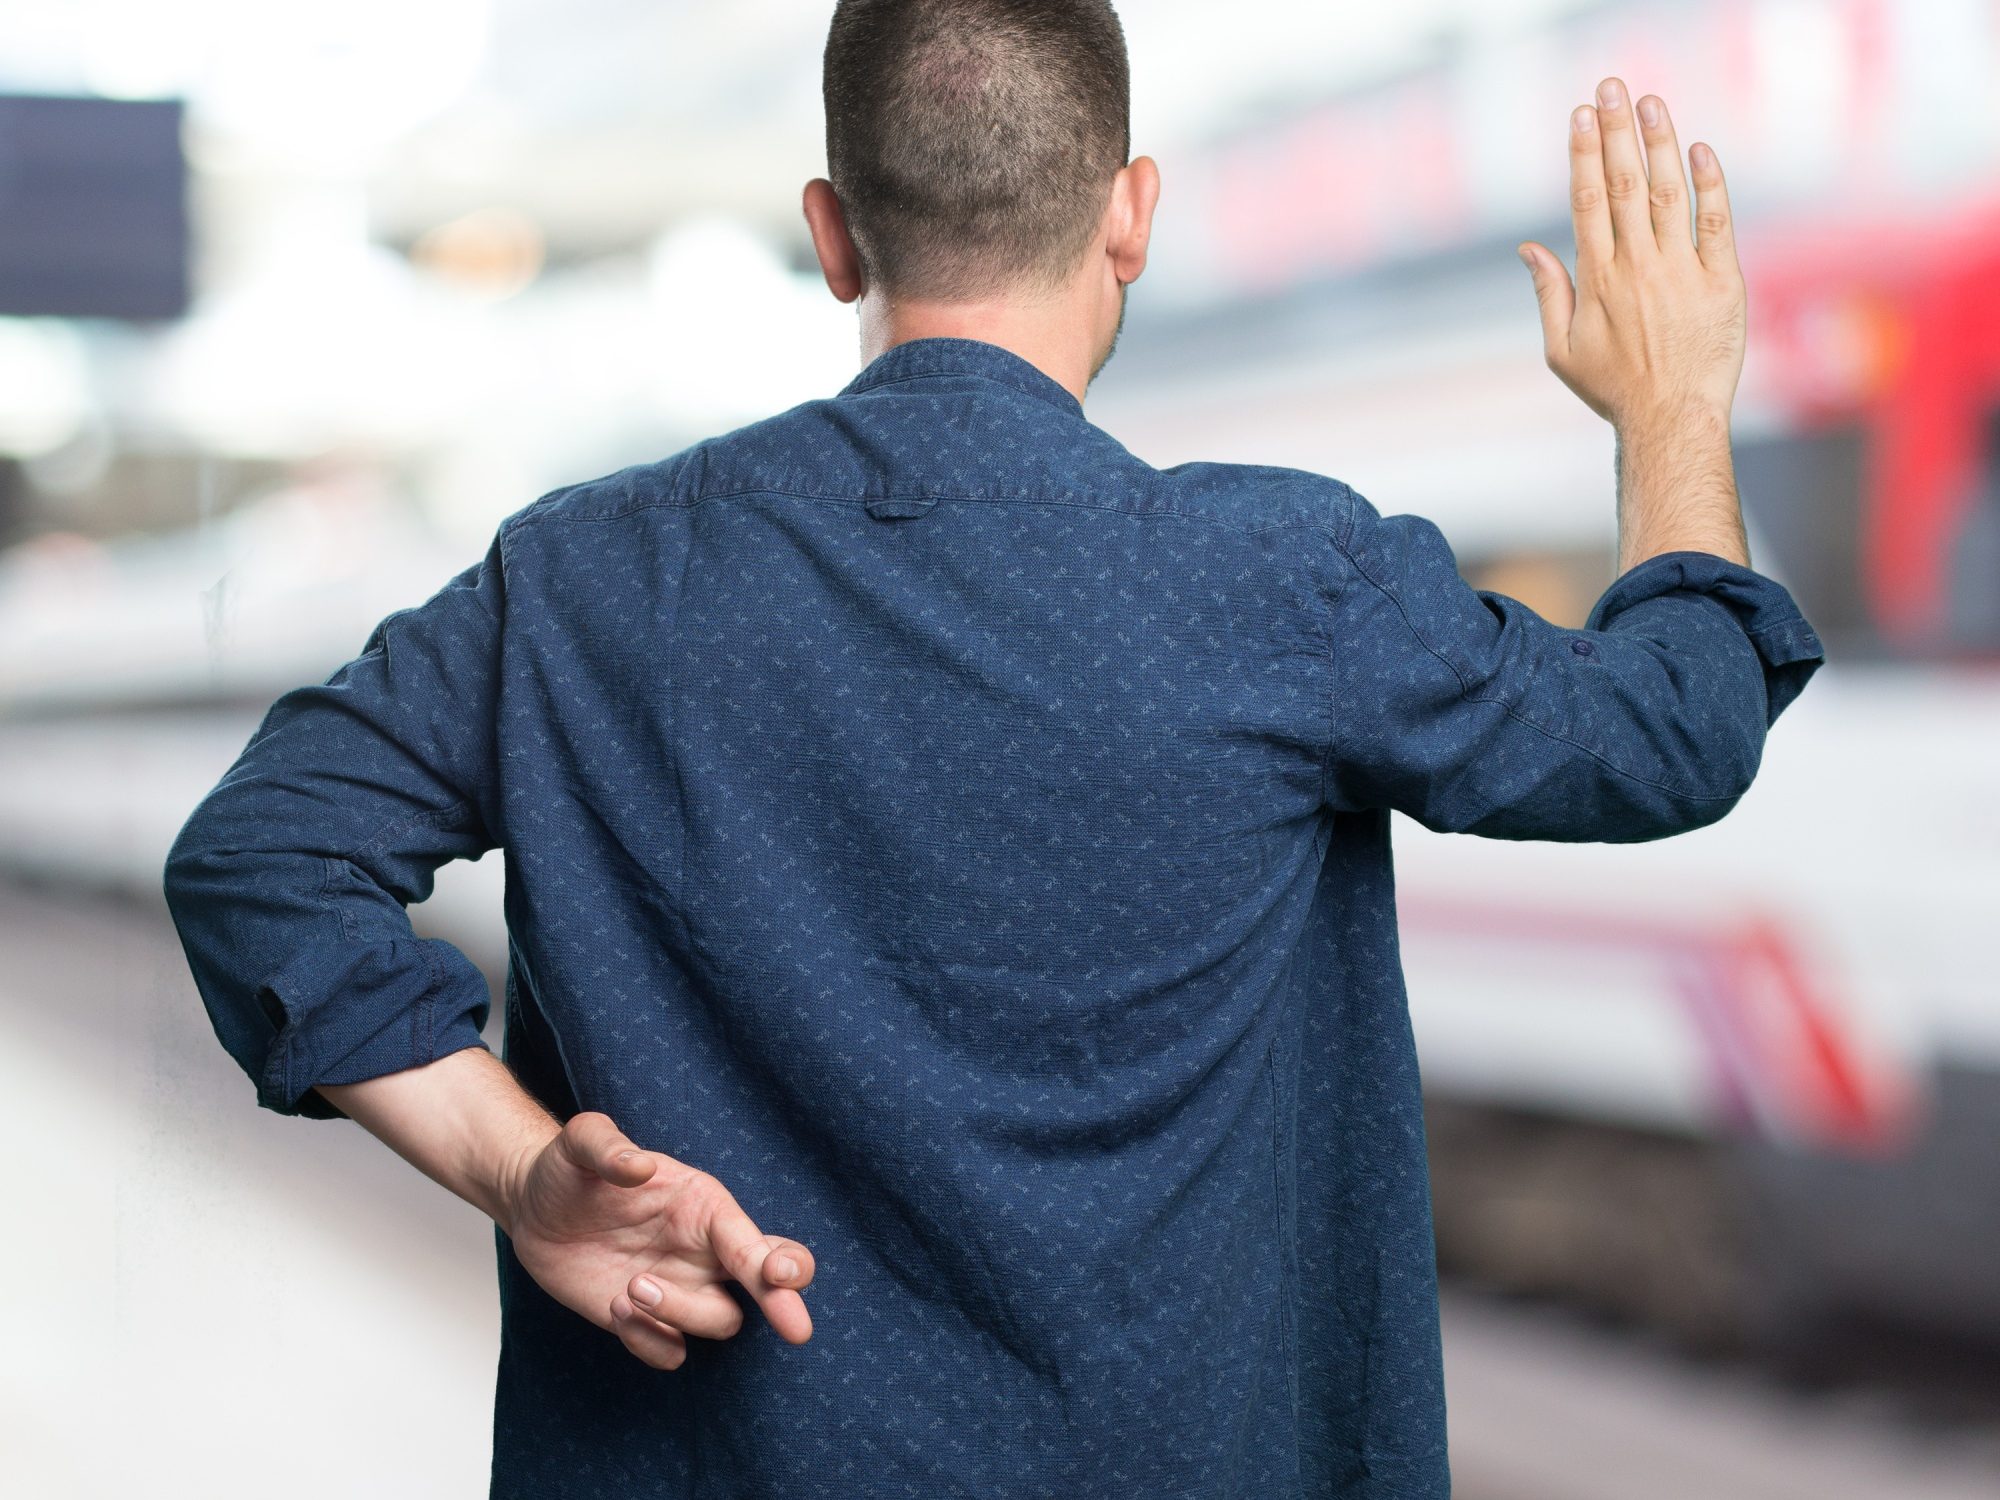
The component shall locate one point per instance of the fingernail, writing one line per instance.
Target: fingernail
(646, 1293)
(1609, 94)
(1649, 110)
(1583, 119)
(784, 1267)
(1703, 157)
(1526, 259)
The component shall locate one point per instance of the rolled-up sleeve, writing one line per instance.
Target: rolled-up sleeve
(289, 882)
(1469, 712)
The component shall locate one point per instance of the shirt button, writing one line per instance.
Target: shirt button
(1580, 646)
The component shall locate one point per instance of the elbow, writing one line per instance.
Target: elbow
(176, 872)
(1727, 761)
(189, 866)
(1704, 751)
(1693, 771)
(1688, 717)
(1706, 785)
(182, 857)
(1687, 814)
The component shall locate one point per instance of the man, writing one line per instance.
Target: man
(948, 864)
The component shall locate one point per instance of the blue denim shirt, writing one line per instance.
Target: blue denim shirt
(971, 843)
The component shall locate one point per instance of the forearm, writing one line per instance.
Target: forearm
(1677, 486)
(464, 1121)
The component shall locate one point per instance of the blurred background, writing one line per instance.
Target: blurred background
(298, 301)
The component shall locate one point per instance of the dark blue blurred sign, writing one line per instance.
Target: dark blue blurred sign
(93, 207)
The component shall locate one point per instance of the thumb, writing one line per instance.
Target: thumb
(1555, 294)
(592, 1140)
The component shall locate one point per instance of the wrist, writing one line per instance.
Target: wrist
(1672, 421)
(509, 1178)
(1677, 484)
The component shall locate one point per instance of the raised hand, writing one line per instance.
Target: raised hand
(1653, 327)
(642, 1244)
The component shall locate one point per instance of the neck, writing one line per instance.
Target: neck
(1045, 334)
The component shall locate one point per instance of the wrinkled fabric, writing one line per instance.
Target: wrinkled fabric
(972, 844)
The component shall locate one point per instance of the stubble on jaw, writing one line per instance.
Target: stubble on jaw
(1117, 327)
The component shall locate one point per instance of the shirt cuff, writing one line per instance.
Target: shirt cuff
(1786, 643)
(364, 1010)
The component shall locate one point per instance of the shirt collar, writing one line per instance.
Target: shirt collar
(916, 358)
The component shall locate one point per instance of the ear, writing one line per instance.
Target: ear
(831, 241)
(1134, 193)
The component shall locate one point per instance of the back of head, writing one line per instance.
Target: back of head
(972, 143)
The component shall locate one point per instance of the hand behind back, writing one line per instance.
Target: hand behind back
(642, 1244)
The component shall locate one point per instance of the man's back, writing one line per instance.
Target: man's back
(914, 814)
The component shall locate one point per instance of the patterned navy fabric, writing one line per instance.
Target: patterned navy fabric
(971, 844)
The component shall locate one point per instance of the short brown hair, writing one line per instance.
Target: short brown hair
(972, 143)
